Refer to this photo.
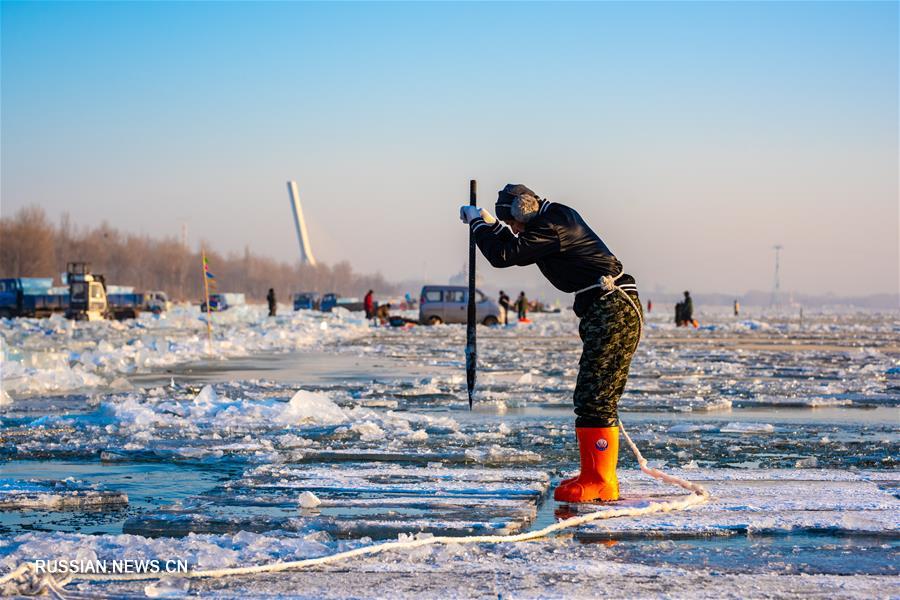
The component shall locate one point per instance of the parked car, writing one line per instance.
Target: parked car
(449, 304)
(157, 301)
(306, 301)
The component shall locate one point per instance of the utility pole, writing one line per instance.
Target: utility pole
(776, 290)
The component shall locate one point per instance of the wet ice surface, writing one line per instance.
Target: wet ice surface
(367, 437)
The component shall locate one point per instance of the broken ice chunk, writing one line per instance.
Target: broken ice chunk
(175, 587)
(748, 428)
(309, 500)
(207, 395)
(312, 407)
(67, 494)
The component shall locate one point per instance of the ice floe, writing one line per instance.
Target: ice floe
(66, 494)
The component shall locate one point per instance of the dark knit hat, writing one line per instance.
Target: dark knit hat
(507, 196)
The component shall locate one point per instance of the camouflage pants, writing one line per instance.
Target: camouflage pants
(610, 331)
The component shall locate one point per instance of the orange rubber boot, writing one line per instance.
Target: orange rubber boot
(568, 480)
(599, 450)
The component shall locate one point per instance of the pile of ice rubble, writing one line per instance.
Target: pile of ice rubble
(56, 355)
(261, 426)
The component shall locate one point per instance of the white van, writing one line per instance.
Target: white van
(449, 304)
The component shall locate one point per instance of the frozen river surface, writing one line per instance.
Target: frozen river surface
(309, 434)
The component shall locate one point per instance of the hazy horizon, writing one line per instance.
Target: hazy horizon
(692, 137)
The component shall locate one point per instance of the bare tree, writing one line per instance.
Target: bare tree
(27, 244)
(30, 246)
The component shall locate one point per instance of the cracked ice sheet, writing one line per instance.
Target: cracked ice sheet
(435, 480)
(761, 501)
(68, 494)
(55, 355)
(359, 500)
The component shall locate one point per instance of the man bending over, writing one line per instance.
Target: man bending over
(575, 260)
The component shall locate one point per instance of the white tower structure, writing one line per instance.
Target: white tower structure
(306, 255)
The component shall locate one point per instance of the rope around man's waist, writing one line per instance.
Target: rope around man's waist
(608, 284)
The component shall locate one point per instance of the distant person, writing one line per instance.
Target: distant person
(409, 301)
(649, 305)
(737, 308)
(273, 306)
(383, 313)
(687, 310)
(522, 306)
(369, 304)
(679, 314)
(504, 306)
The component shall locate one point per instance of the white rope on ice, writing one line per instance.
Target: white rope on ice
(26, 581)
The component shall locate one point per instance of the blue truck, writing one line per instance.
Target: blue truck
(30, 297)
(332, 300)
(124, 306)
(85, 298)
(306, 301)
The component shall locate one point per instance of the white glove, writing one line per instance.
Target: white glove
(467, 214)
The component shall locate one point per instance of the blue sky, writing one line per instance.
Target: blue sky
(692, 136)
